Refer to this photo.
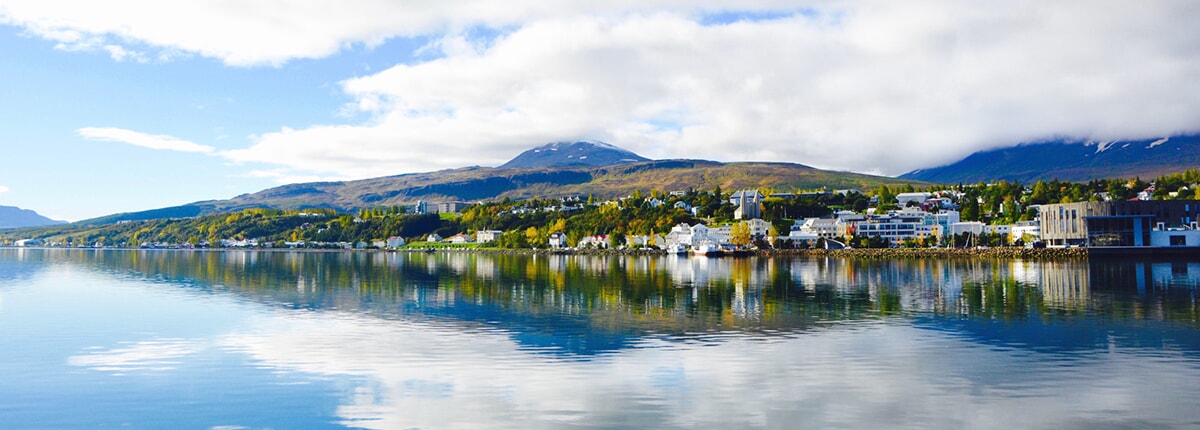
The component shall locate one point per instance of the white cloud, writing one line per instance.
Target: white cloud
(3, 189)
(875, 86)
(152, 141)
(272, 33)
(878, 87)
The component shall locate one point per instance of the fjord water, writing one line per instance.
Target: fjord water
(250, 339)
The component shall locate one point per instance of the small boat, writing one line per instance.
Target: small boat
(677, 249)
(706, 249)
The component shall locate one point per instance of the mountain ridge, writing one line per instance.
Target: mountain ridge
(15, 217)
(471, 184)
(1069, 160)
(580, 153)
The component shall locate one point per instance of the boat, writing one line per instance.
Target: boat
(706, 249)
(677, 249)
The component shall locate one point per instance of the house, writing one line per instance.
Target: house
(814, 227)
(597, 241)
(557, 240)
(759, 228)
(683, 205)
(380, 244)
(433, 237)
(394, 242)
(903, 199)
(484, 236)
(29, 242)
(1026, 231)
(459, 239)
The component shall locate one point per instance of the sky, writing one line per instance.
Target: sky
(127, 105)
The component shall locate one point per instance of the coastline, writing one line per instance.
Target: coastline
(861, 253)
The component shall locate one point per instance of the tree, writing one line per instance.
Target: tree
(531, 236)
(740, 234)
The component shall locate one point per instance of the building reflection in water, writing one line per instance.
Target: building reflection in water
(672, 294)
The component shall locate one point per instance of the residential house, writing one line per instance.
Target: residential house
(557, 240)
(460, 239)
(394, 242)
(903, 199)
(433, 237)
(815, 227)
(597, 241)
(484, 236)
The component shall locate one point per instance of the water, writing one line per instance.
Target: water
(154, 339)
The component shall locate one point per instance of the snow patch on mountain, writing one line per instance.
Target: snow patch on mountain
(1158, 142)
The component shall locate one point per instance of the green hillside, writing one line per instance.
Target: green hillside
(475, 184)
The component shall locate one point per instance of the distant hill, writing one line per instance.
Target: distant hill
(14, 217)
(472, 184)
(573, 154)
(1070, 161)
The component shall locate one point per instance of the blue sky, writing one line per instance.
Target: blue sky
(126, 106)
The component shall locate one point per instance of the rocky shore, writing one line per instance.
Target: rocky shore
(874, 253)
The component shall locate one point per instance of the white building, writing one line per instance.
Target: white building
(597, 241)
(818, 227)
(1027, 231)
(973, 227)
(759, 228)
(903, 199)
(557, 240)
(394, 242)
(484, 236)
(28, 242)
(749, 204)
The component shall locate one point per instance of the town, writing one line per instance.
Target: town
(1127, 216)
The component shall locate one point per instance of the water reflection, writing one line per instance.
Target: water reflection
(471, 340)
(589, 304)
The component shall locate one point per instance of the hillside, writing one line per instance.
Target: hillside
(474, 184)
(1070, 161)
(14, 217)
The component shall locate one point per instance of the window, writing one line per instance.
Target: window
(1177, 240)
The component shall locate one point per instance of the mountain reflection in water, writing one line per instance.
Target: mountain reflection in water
(591, 304)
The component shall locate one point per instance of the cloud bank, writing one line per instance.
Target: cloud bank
(874, 86)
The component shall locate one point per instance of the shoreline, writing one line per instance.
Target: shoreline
(1042, 254)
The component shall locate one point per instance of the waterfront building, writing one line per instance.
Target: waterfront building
(1122, 223)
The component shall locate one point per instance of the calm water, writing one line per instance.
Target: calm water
(138, 339)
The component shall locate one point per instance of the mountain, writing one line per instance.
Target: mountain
(1071, 161)
(14, 217)
(472, 184)
(573, 154)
